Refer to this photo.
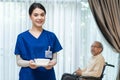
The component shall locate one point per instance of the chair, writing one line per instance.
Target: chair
(97, 78)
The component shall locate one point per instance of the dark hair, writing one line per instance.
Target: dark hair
(36, 5)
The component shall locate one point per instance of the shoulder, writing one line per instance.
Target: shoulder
(101, 58)
(49, 33)
(22, 34)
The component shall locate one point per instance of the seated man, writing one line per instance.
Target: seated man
(95, 64)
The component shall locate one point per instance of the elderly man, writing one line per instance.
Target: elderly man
(95, 64)
(94, 67)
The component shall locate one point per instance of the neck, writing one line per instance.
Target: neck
(37, 29)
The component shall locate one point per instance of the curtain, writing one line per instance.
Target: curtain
(106, 14)
(118, 74)
(70, 20)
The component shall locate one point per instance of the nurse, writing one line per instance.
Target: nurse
(37, 43)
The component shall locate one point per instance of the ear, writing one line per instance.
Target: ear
(100, 50)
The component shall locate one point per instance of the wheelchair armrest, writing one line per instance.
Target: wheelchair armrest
(89, 77)
(109, 65)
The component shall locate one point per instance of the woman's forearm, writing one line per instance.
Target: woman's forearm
(55, 57)
(21, 62)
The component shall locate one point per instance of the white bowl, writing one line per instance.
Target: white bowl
(41, 62)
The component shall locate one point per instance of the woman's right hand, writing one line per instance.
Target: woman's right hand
(32, 64)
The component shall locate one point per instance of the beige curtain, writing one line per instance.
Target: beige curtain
(107, 17)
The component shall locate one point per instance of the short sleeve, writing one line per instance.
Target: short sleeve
(17, 46)
(54, 42)
(56, 45)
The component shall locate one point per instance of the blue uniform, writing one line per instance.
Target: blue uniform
(29, 47)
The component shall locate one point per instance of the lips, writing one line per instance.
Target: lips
(39, 22)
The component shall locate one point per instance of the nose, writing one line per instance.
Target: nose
(39, 17)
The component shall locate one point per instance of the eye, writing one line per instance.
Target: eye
(43, 14)
(95, 46)
(35, 14)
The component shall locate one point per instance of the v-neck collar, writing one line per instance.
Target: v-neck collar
(34, 36)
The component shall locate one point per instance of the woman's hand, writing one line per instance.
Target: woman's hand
(32, 64)
(51, 64)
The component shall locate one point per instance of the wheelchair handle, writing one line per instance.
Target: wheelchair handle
(109, 65)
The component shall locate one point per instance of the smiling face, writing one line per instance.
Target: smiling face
(37, 17)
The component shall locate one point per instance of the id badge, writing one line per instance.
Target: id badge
(48, 53)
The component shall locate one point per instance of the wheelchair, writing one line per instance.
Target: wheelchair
(68, 76)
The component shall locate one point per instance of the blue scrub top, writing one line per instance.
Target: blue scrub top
(29, 47)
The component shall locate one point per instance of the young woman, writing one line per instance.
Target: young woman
(37, 43)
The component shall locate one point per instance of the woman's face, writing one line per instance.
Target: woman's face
(38, 17)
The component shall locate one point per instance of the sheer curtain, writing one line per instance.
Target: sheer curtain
(70, 20)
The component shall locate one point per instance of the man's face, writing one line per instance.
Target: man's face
(95, 49)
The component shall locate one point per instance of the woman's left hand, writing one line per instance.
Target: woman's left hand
(51, 64)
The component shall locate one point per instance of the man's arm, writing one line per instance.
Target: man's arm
(96, 71)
